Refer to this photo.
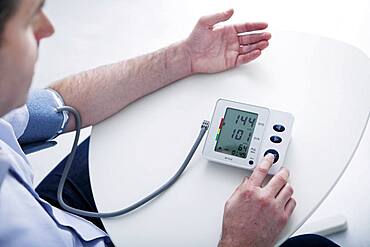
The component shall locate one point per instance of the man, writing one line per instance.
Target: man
(254, 215)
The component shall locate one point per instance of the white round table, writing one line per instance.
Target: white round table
(324, 83)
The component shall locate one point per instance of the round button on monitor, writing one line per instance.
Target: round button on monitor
(275, 139)
(278, 128)
(274, 152)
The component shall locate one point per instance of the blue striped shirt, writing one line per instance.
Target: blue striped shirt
(26, 219)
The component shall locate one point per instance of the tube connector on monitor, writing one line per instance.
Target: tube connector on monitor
(205, 124)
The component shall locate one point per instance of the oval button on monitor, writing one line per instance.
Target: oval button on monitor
(275, 139)
(274, 152)
(278, 127)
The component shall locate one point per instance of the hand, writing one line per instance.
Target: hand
(217, 49)
(255, 216)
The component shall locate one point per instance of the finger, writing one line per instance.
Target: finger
(253, 38)
(262, 169)
(243, 183)
(246, 58)
(248, 48)
(238, 189)
(285, 194)
(245, 180)
(210, 20)
(277, 182)
(290, 206)
(250, 26)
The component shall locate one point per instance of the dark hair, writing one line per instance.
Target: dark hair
(7, 9)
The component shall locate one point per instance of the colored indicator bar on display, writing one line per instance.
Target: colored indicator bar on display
(221, 122)
(219, 129)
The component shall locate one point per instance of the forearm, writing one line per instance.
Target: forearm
(101, 92)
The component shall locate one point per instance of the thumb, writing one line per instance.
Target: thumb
(210, 20)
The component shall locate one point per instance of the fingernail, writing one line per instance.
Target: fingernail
(268, 35)
(285, 174)
(227, 12)
(270, 156)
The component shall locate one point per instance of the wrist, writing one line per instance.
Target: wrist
(184, 47)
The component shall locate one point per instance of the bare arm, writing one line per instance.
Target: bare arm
(99, 93)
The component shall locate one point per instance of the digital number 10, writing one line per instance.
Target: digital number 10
(237, 134)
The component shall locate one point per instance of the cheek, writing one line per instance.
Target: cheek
(29, 52)
(26, 58)
(18, 67)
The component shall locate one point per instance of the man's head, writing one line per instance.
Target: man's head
(22, 26)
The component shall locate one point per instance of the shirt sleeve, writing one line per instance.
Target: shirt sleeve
(44, 122)
(18, 119)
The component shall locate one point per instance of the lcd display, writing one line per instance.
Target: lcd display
(236, 132)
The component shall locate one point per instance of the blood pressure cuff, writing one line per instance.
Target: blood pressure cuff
(44, 123)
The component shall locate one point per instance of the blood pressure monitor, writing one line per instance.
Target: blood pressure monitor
(241, 135)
